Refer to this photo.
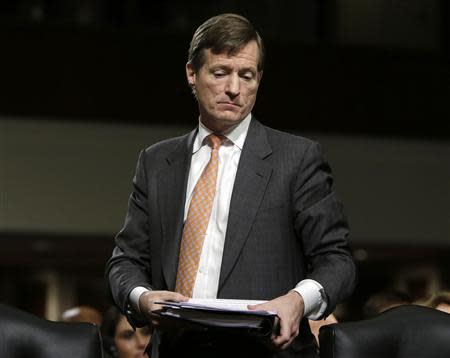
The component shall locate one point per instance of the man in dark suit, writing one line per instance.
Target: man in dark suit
(233, 209)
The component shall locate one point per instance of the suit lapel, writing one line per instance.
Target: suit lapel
(172, 181)
(252, 177)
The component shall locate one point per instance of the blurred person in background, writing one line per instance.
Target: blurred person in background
(384, 300)
(315, 325)
(120, 340)
(439, 301)
(82, 314)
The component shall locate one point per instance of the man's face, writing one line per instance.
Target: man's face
(226, 86)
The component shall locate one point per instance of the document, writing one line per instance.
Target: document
(222, 304)
(232, 315)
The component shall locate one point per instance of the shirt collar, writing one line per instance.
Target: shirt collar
(236, 135)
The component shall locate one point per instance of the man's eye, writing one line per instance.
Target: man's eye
(247, 76)
(219, 74)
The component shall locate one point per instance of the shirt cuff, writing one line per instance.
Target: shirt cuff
(314, 298)
(135, 294)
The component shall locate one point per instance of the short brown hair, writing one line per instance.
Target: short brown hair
(223, 33)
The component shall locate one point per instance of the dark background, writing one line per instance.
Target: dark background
(122, 61)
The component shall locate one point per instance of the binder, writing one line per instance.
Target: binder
(229, 316)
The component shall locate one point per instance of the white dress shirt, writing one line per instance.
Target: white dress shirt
(207, 279)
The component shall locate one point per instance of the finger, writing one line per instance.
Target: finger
(179, 297)
(287, 344)
(155, 307)
(262, 307)
(259, 307)
(280, 340)
(276, 329)
(284, 336)
(155, 319)
(155, 323)
(172, 296)
(293, 334)
(164, 296)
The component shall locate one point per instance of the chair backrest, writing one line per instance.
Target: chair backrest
(25, 335)
(402, 332)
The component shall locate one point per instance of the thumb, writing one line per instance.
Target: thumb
(258, 307)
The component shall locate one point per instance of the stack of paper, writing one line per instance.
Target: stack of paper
(219, 314)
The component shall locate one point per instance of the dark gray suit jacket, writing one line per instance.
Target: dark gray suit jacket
(285, 223)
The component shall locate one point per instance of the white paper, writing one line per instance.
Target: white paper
(223, 304)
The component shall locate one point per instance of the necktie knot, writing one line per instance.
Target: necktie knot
(215, 140)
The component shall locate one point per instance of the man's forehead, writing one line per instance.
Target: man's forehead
(247, 54)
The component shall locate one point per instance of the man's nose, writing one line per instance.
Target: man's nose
(233, 86)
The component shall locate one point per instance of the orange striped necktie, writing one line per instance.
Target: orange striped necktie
(197, 220)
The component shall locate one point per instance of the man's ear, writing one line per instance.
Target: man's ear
(260, 74)
(190, 74)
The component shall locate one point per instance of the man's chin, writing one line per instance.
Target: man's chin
(223, 121)
(230, 117)
(230, 122)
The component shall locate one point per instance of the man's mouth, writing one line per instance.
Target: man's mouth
(230, 104)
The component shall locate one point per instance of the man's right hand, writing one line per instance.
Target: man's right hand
(147, 303)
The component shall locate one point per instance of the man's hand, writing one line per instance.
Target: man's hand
(147, 303)
(289, 308)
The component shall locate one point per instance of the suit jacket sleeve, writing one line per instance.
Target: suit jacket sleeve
(129, 265)
(323, 228)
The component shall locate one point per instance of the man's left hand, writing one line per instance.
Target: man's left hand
(289, 308)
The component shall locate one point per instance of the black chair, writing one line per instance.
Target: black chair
(25, 335)
(402, 332)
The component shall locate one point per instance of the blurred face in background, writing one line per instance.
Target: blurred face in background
(444, 307)
(130, 343)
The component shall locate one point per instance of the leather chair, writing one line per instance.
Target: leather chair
(402, 332)
(25, 335)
